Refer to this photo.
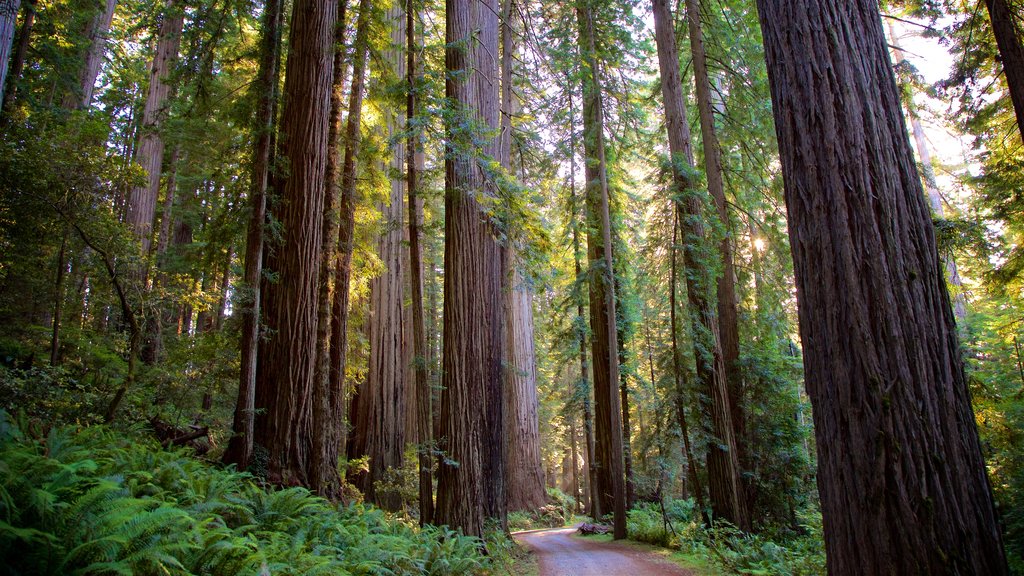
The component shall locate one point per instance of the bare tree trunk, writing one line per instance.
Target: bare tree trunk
(470, 476)
(424, 411)
(608, 413)
(724, 485)
(285, 373)
(900, 471)
(8, 25)
(150, 154)
(1006, 27)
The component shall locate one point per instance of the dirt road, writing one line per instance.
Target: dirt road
(561, 554)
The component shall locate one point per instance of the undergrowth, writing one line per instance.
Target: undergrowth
(724, 546)
(95, 501)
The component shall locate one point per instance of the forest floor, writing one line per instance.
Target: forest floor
(559, 552)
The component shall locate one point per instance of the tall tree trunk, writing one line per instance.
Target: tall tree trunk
(424, 411)
(324, 476)
(385, 388)
(677, 371)
(470, 476)
(20, 52)
(285, 373)
(728, 322)
(627, 447)
(900, 471)
(931, 186)
(608, 413)
(240, 446)
(1006, 27)
(96, 32)
(524, 473)
(583, 384)
(150, 154)
(58, 300)
(724, 485)
(8, 25)
(346, 232)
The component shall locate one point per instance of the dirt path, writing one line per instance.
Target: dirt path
(559, 553)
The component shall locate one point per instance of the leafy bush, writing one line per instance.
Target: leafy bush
(92, 501)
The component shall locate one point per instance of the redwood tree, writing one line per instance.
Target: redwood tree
(608, 411)
(724, 486)
(469, 474)
(900, 472)
(284, 376)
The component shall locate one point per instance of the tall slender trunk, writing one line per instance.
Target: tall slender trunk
(608, 413)
(584, 381)
(58, 300)
(346, 231)
(1006, 27)
(8, 25)
(901, 475)
(356, 443)
(96, 32)
(470, 475)
(285, 373)
(724, 485)
(627, 445)
(419, 335)
(385, 389)
(677, 371)
(150, 154)
(728, 321)
(240, 446)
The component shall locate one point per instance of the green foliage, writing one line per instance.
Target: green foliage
(93, 501)
(726, 547)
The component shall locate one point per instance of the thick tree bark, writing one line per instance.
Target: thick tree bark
(92, 61)
(150, 153)
(900, 472)
(728, 321)
(424, 410)
(8, 25)
(470, 476)
(724, 485)
(1006, 27)
(524, 472)
(324, 476)
(608, 413)
(284, 375)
